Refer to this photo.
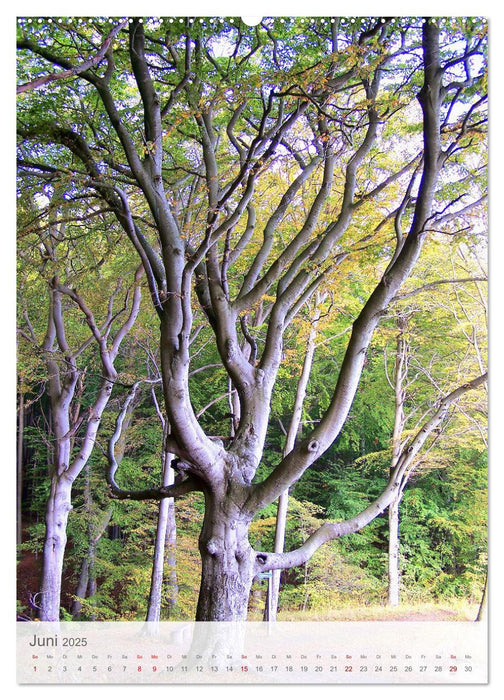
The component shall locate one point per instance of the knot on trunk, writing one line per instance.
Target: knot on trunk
(212, 546)
(241, 554)
(313, 446)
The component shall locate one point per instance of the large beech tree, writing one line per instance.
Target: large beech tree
(372, 131)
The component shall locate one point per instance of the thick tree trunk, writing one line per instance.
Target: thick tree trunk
(58, 508)
(227, 563)
(225, 587)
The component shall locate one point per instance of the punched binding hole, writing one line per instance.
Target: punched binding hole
(251, 21)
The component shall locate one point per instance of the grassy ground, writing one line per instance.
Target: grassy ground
(445, 611)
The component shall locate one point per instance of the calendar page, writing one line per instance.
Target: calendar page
(282, 652)
(252, 349)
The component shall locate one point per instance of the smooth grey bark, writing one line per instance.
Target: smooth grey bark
(170, 558)
(293, 465)
(58, 507)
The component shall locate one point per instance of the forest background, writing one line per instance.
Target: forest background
(443, 552)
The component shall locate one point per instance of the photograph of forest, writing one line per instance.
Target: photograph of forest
(251, 318)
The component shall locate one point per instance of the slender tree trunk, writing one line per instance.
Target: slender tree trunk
(271, 608)
(170, 558)
(166, 535)
(393, 553)
(306, 597)
(86, 587)
(164, 550)
(82, 587)
(482, 611)
(92, 584)
(399, 385)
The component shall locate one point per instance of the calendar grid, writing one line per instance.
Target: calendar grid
(353, 652)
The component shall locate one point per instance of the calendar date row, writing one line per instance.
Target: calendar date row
(247, 668)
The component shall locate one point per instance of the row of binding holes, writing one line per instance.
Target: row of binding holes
(250, 21)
